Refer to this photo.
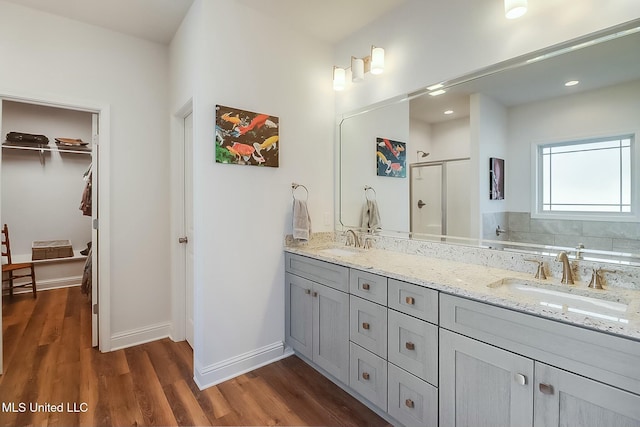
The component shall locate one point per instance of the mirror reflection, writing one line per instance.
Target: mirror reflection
(542, 152)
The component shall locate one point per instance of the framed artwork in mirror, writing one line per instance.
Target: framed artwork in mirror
(246, 138)
(391, 158)
(496, 178)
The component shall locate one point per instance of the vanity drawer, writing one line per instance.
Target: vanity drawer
(414, 300)
(368, 325)
(597, 355)
(413, 346)
(412, 401)
(335, 276)
(368, 375)
(368, 286)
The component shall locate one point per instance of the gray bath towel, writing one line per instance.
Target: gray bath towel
(370, 220)
(301, 220)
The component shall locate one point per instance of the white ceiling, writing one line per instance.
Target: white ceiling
(158, 20)
(328, 20)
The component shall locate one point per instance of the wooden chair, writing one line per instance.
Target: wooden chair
(14, 270)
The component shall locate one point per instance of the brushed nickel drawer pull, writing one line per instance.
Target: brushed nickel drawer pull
(409, 403)
(546, 388)
(365, 286)
(365, 325)
(307, 291)
(365, 375)
(315, 294)
(410, 346)
(410, 300)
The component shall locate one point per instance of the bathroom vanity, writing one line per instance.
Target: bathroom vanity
(433, 342)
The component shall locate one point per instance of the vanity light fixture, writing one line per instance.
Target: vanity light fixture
(571, 83)
(357, 69)
(374, 64)
(339, 78)
(437, 92)
(514, 8)
(377, 60)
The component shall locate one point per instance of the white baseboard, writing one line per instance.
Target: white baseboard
(208, 376)
(139, 336)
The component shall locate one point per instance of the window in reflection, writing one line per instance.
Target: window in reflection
(587, 176)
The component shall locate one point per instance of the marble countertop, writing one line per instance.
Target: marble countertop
(482, 283)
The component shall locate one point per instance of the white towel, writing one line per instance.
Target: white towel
(370, 220)
(301, 220)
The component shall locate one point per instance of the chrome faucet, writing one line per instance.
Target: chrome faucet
(567, 276)
(356, 240)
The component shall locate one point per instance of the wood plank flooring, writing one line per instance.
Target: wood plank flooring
(48, 359)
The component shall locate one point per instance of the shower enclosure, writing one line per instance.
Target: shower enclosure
(439, 197)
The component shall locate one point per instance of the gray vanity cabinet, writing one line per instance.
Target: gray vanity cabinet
(566, 399)
(594, 382)
(482, 385)
(317, 315)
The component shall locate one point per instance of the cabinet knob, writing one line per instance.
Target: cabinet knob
(315, 294)
(546, 388)
(409, 403)
(410, 346)
(365, 286)
(410, 300)
(365, 325)
(365, 375)
(520, 379)
(307, 291)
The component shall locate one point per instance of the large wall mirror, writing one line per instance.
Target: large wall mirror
(538, 152)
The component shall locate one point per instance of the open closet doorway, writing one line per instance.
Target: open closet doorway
(49, 200)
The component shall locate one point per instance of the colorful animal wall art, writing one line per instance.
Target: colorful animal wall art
(391, 157)
(246, 138)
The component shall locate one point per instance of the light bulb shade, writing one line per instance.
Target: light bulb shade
(377, 60)
(357, 69)
(339, 78)
(515, 8)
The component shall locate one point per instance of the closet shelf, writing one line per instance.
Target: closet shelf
(42, 148)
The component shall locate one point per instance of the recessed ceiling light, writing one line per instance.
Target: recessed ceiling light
(448, 112)
(571, 83)
(437, 92)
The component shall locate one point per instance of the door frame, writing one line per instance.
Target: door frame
(178, 285)
(101, 258)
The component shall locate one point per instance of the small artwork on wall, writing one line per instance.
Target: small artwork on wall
(391, 158)
(246, 138)
(496, 178)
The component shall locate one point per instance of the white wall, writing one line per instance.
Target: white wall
(241, 212)
(46, 56)
(426, 42)
(604, 112)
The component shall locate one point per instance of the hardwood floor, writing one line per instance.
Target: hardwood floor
(48, 359)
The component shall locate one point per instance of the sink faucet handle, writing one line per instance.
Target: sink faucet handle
(540, 274)
(597, 277)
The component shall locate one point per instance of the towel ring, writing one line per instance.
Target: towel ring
(366, 195)
(294, 187)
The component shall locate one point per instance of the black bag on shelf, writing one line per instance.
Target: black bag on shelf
(27, 138)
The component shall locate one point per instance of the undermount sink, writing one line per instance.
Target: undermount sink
(568, 298)
(340, 251)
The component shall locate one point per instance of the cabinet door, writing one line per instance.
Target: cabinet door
(483, 386)
(566, 399)
(298, 315)
(331, 331)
